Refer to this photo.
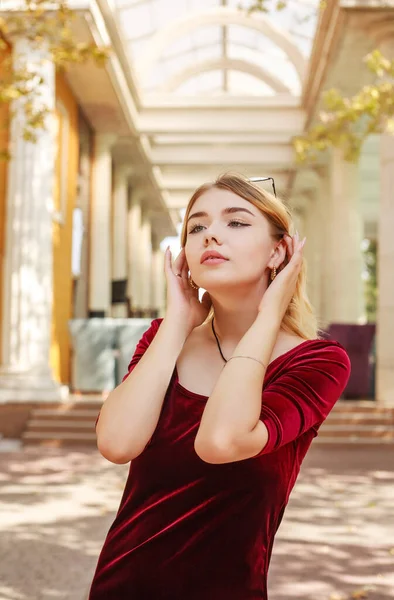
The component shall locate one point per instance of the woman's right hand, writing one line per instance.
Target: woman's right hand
(182, 300)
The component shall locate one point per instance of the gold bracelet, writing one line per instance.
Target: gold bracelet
(251, 357)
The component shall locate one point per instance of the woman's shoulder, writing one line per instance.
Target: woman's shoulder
(321, 351)
(155, 324)
(149, 331)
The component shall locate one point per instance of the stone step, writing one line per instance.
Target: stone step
(360, 431)
(345, 419)
(72, 423)
(361, 407)
(59, 439)
(69, 414)
(61, 425)
(354, 440)
(81, 405)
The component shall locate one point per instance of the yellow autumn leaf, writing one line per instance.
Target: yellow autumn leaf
(359, 594)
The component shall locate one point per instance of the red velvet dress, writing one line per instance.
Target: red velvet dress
(189, 530)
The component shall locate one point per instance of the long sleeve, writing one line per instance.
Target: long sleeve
(304, 394)
(140, 349)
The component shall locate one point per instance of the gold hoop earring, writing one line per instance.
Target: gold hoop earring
(191, 282)
(273, 273)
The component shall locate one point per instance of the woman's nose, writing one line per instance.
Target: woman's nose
(211, 235)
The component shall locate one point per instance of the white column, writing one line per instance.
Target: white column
(385, 277)
(325, 263)
(146, 279)
(26, 330)
(385, 310)
(313, 220)
(119, 233)
(345, 234)
(134, 249)
(158, 280)
(100, 231)
(298, 218)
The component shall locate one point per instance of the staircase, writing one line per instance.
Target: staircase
(72, 424)
(357, 422)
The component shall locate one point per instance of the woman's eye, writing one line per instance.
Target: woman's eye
(193, 230)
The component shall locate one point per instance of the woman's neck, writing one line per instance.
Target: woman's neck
(232, 325)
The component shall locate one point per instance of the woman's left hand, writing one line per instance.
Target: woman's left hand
(279, 293)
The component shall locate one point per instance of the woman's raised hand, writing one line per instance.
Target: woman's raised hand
(279, 293)
(183, 303)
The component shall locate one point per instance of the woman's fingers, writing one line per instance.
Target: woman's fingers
(184, 273)
(294, 244)
(177, 268)
(171, 266)
(167, 260)
(289, 242)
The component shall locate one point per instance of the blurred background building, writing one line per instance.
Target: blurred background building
(191, 89)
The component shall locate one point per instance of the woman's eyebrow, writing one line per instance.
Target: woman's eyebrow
(225, 211)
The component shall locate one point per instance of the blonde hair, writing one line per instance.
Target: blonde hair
(299, 318)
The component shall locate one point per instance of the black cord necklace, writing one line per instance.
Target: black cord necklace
(214, 333)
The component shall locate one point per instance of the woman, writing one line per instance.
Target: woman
(219, 407)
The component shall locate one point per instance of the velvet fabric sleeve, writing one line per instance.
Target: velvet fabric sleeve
(302, 397)
(140, 350)
(143, 345)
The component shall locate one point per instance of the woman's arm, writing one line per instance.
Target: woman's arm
(130, 414)
(230, 428)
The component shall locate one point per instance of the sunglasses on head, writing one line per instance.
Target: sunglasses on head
(256, 179)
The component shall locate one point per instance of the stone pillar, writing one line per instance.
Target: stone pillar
(298, 218)
(134, 250)
(385, 277)
(324, 261)
(25, 374)
(345, 287)
(158, 279)
(81, 289)
(100, 236)
(146, 262)
(119, 240)
(313, 252)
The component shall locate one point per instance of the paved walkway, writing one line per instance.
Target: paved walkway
(336, 541)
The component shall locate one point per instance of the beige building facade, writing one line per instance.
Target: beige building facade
(184, 96)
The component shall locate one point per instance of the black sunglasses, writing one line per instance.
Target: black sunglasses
(255, 179)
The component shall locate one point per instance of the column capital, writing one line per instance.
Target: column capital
(307, 180)
(123, 171)
(138, 195)
(104, 141)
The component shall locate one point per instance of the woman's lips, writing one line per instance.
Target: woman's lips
(214, 261)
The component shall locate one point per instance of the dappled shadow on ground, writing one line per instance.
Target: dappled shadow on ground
(336, 540)
(337, 537)
(57, 506)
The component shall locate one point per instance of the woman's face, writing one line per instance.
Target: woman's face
(243, 237)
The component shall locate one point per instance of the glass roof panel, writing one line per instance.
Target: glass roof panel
(259, 50)
(243, 84)
(203, 84)
(140, 20)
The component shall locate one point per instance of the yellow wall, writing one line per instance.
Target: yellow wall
(4, 113)
(66, 188)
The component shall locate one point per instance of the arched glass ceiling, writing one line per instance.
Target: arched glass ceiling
(142, 20)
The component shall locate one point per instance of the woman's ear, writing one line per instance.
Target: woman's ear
(279, 255)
